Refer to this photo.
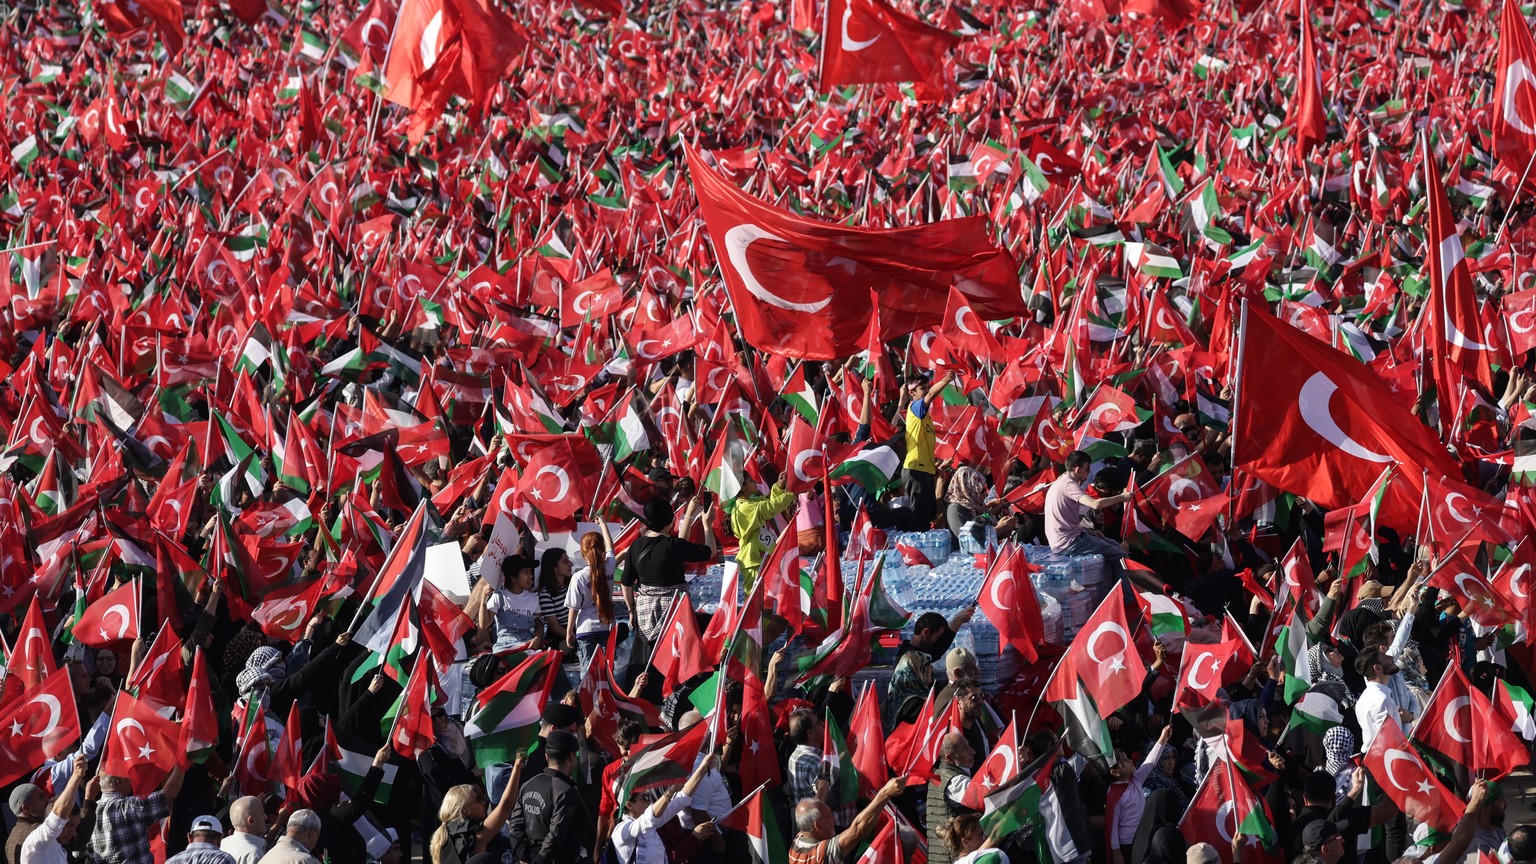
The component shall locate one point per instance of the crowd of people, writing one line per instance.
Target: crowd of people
(477, 431)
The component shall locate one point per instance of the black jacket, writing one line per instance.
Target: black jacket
(551, 824)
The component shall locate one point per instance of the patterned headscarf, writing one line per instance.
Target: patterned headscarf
(264, 666)
(968, 489)
(1339, 744)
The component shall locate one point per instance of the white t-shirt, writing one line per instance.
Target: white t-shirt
(516, 616)
(578, 599)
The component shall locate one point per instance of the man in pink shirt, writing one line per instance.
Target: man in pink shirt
(1066, 502)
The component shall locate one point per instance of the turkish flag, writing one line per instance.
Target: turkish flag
(1520, 318)
(1308, 116)
(1460, 723)
(963, 329)
(558, 479)
(1225, 806)
(141, 745)
(1205, 669)
(32, 660)
(801, 287)
(1314, 422)
(1109, 410)
(412, 734)
(871, 42)
(158, 679)
(1009, 602)
(1185, 482)
(39, 727)
(1460, 345)
(759, 759)
(1514, 94)
(1402, 774)
(1104, 658)
(679, 653)
(111, 619)
(287, 766)
(1458, 511)
(199, 723)
(1459, 575)
(997, 770)
(253, 759)
(594, 298)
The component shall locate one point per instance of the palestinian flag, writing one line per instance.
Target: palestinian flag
(1315, 711)
(1012, 805)
(873, 469)
(838, 758)
(1086, 731)
(506, 722)
(629, 435)
(399, 578)
(1292, 645)
(726, 473)
(663, 762)
(801, 396)
(755, 818)
(885, 612)
(1165, 615)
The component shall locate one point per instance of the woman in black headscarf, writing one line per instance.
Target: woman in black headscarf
(1162, 811)
(1352, 641)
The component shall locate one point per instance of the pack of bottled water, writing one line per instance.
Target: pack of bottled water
(1077, 583)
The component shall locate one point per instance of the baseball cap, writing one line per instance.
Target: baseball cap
(207, 823)
(561, 743)
(1202, 853)
(20, 794)
(1318, 833)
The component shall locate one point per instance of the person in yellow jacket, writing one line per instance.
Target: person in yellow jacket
(752, 522)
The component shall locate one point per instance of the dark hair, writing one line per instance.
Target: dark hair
(629, 732)
(1078, 459)
(1522, 843)
(513, 565)
(929, 621)
(800, 723)
(1379, 634)
(1319, 788)
(548, 563)
(1144, 447)
(1370, 657)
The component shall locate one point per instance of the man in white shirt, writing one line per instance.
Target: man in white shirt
(1066, 502)
(45, 845)
(1376, 703)
(247, 840)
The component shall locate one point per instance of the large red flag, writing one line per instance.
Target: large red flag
(679, 653)
(1314, 422)
(1104, 658)
(871, 42)
(1460, 346)
(1009, 602)
(113, 618)
(43, 724)
(801, 287)
(199, 723)
(1460, 723)
(1402, 774)
(1514, 94)
(1308, 116)
(141, 745)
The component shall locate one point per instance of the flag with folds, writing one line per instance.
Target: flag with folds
(141, 745)
(1329, 426)
(1402, 773)
(801, 287)
(39, 726)
(507, 714)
